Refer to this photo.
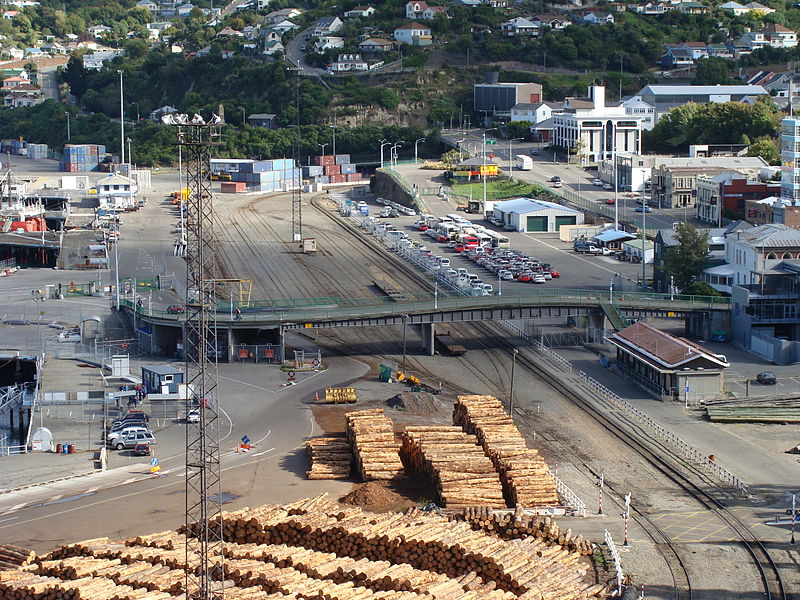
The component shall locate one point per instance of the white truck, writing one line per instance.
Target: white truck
(524, 163)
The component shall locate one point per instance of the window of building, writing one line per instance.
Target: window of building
(772, 256)
(786, 256)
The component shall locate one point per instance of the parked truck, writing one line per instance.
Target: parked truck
(587, 248)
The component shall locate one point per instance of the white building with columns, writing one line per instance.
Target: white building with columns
(604, 130)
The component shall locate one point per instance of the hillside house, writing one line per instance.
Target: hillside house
(414, 34)
(99, 31)
(519, 26)
(96, 59)
(375, 45)
(349, 62)
(147, 5)
(359, 12)
(597, 18)
(555, 22)
(327, 26)
(276, 16)
(736, 9)
(415, 8)
(328, 42)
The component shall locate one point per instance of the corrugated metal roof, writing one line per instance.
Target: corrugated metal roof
(528, 205)
(678, 90)
(613, 235)
(771, 236)
(662, 348)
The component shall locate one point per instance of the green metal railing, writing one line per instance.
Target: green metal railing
(334, 308)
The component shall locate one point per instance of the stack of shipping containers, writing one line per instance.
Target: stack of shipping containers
(264, 176)
(81, 157)
(331, 169)
(37, 150)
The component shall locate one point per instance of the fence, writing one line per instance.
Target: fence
(261, 353)
(670, 438)
(612, 549)
(555, 358)
(569, 498)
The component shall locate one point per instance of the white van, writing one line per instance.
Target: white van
(462, 272)
(444, 262)
(396, 235)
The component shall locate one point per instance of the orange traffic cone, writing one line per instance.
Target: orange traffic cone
(316, 396)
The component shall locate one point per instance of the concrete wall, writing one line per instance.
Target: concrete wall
(384, 185)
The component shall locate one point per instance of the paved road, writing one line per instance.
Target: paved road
(297, 57)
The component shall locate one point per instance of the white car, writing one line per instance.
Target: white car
(193, 416)
(597, 182)
(538, 279)
(69, 336)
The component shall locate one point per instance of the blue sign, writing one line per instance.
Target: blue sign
(154, 461)
(686, 389)
(245, 439)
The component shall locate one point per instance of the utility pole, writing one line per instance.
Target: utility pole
(121, 120)
(204, 542)
(333, 127)
(297, 182)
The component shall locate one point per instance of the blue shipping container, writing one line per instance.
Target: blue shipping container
(347, 169)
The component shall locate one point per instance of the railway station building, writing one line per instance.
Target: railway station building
(669, 367)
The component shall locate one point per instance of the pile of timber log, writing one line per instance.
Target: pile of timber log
(331, 458)
(13, 556)
(314, 549)
(527, 480)
(376, 451)
(340, 396)
(516, 524)
(455, 464)
(772, 409)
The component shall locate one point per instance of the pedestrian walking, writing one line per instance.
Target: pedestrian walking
(238, 316)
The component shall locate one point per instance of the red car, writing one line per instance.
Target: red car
(459, 248)
(525, 277)
(609, 201)
(442, 238)
(423, 227)
(554, 273)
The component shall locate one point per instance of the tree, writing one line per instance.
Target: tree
(519, 129)
(700, 288)
(712, 71)
(451, 158)
(767, 148)
(685, 261)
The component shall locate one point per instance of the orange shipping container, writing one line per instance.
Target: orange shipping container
(233, 187)
(333, 169)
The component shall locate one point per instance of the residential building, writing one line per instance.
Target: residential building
(359, 12)
(22, 100)
(555, 22)
(597, 18)
(273, 46)
(99, 31)
(184, 9)
(375, 45)
(349, 62)
(651, 8)
(534, 112)
(663, 98)
(736, 9)
(276, 16)
(601, 131)
(432, 12)
(720, 51)
(96, 59)
(12, 82)
(528, 215)
(520, 26)
(691, 7)
(229, 32)
(414, 34)
(670, 367)
(499, 98)
(148, 5)
(328, 42)
(636, 107)
(676, 56)
(759, 8)
(728, 192)
(415, 8)
(265, 120)
(283, 26)
(327, 26)
(779, 36)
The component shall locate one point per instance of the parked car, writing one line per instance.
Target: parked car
(69, 336)
(555, 179)
(643, 209)
(608, 187)
(193, 416)
(132, 418)
(132, 439)
(175, 309)
(766, 378)
(610, 201)
(141, 449)
(539, 279)
(597, 182)
(555, 274)
(525, 277)
(126, 431)
(535, 152)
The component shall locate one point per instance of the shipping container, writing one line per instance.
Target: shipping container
(233, 187)
(338, 178)
(322, 179)
(347, 169)
(312, 171)
(342, 159)
(353, 176)
(332, 170)
(324, 160)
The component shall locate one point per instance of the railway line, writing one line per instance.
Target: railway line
(493, 373)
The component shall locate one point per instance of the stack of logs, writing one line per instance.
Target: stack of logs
(517, 524)
(527, 481)
(314, 549)
(14, 556)
(371, 434)
(331, 458)
(340, 395)
(456, 465)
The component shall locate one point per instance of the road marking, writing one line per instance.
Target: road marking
(577, 256)
(15, 507)
(230, 430)
(8, 519)
(262, 439)
(258, 387)
(264, 452)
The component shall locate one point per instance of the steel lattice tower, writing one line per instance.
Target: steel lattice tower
(204, 574)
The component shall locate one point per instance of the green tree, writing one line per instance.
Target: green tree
(700, 288)
(685, 261)
(712, 71)
(519, 129)
(767, 148)
(451, 158)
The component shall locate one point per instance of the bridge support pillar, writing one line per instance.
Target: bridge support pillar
(596, 328)
(428, 337)
(704, 324)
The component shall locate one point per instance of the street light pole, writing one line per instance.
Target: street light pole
(130, 154)
(511, 156)
(69, 136)
(383, 143)
(415, 149)
(616, 193)
(121, 122)
(644, 240)
(333, 127)
(323, 148)
(393, 153)
(244, 119)
(405, 319)
(511, 391)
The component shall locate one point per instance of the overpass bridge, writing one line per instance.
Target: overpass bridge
(268, 320)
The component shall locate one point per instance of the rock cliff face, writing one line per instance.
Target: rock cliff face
(384, 185)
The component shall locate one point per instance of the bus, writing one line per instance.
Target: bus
(484, 239)
(457, 218)
(499, 240)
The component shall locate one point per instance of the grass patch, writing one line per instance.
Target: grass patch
(495, 190)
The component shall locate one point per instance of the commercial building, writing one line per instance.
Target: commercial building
(790, 159)
(528, 215)
(670, 367)
(499, 98)
(663, 98)
(595, 130)
(728, 192)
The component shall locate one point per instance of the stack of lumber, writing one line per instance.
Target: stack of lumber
(314, 549)
(371, 434)
(775, 409)
(13, 556)
(340, 395)
(331, 458)
(527, 480)
(423, 541)
(455, 464)
(516, 524)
